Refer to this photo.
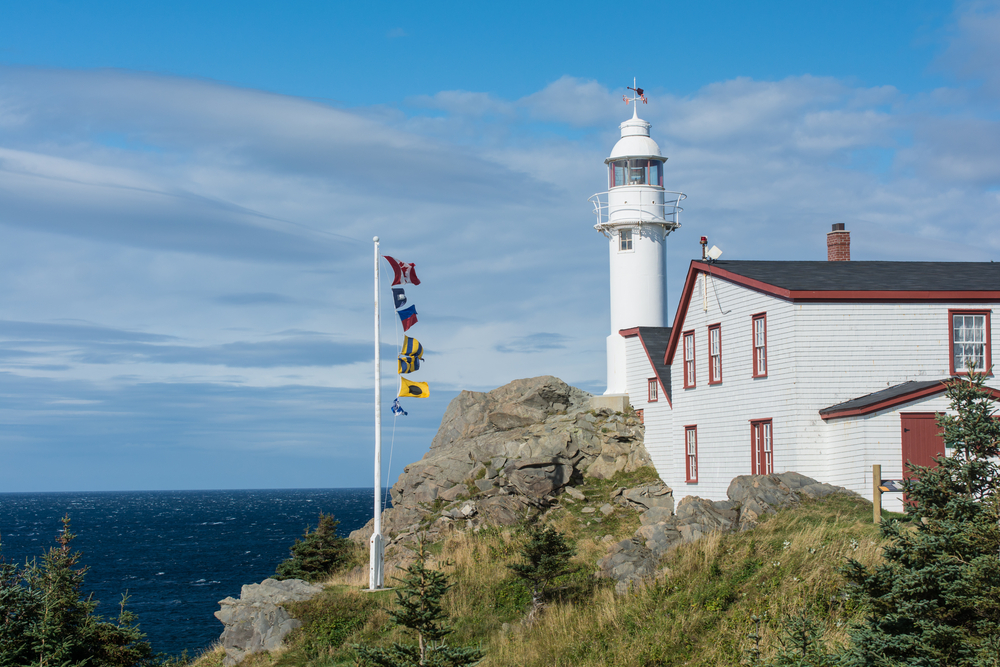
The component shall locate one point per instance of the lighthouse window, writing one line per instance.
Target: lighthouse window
(656, 173)
(637, 172)
(619, 170)
(625, 239)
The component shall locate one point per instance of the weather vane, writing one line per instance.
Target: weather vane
(637, 94)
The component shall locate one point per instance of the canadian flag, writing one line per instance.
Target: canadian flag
(405, 272)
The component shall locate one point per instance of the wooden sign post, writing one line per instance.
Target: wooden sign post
(877, 493)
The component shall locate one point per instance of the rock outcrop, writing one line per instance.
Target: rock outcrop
(257, 621)
(499, 455)
(750, 497)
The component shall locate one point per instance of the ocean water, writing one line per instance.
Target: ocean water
(176, 553)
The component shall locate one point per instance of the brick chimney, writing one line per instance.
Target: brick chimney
(838, 244)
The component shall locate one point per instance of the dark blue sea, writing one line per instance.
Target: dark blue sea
(176, 553)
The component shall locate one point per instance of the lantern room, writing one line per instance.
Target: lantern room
(636, 171)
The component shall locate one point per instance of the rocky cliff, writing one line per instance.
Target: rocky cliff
(502, 454)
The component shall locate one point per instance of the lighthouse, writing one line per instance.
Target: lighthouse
(636, 215)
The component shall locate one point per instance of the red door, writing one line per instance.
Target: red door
(921, 439)
(761, 448)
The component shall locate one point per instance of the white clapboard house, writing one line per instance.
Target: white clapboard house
(821, 367)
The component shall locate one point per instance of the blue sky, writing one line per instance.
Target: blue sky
(188, 192)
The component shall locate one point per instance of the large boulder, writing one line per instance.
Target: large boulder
(508, 452)
(257, 621)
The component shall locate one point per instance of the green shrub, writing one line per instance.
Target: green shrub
(318, 553)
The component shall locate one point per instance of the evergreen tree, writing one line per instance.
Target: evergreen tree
(45, 621)
(801, 644)
(318, 553)
(419, 610)
(546, 558)
(936, 598)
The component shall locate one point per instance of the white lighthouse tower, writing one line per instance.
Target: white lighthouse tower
(636, 214)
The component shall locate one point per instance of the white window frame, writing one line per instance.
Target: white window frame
(715, 354)
(625, 241)
(690, 379)
(654, 391)
(970, 340)
(691, 453)
(759, 345)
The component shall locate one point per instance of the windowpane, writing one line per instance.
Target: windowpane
(689, 380)
(760, 345)
(654, 393)
(691, 437)
(969, 339)
(637, 172)
(625, 239)
(621, 169)
(656, 173)
(714, 354)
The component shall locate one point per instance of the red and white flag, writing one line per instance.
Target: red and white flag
(405, 272)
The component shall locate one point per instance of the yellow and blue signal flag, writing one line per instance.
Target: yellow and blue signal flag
(408, 364)
(412, 348)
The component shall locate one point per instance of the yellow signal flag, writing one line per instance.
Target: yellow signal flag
(413, 389)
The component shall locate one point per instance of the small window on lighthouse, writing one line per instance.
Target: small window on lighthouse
(625, 239)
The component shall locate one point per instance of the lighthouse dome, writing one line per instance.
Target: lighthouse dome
(635, 141)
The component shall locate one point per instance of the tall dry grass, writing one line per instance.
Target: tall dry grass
(699, 612)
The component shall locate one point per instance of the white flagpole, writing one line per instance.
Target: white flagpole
(375, 563)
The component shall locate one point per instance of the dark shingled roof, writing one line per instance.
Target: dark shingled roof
(656, 340)
(887, 394)
(870, 276)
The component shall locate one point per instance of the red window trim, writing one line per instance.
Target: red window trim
(652, 385)
(711, 375)
(687, 457)
(754, 423)
(689, 382)
(753, 344)
(951, 339)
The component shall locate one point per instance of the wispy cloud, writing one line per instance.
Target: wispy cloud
(536, 342)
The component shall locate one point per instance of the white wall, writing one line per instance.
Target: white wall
(657, 416)
(819, 354)
(723, 412)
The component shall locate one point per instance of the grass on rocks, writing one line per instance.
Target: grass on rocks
(698, 612)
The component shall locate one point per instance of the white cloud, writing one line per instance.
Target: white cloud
(224, 218)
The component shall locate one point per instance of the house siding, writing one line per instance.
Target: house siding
(819, 354)
(657, 415)
(722, 412)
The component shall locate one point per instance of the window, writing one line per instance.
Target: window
(715, 354)
(635, 172)
(688, 359)
(970, 340)
(761, 454)
(624, 239)
(654, 390)
(691, 448)
(760, 345)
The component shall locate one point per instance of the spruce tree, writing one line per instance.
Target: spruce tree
(936, 598)
(46, 621)
(318, 553)
(418, 608)
(546, 558)
(801, 644)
